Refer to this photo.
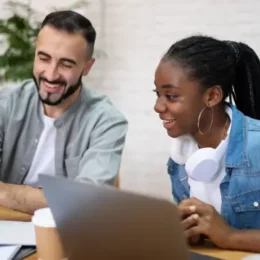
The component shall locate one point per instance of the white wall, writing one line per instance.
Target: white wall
(134, 35)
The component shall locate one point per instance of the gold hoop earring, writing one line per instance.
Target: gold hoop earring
(211, 122)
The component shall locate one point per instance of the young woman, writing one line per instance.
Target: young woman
(215, 156)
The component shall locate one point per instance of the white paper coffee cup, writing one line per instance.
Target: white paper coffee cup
(48, 243)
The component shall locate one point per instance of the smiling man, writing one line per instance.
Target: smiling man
(53, 124)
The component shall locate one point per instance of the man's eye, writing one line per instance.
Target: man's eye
(43, 59)
(67, 65)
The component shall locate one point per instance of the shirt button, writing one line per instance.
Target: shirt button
(256, 204)
(36, 140)
(23, 169)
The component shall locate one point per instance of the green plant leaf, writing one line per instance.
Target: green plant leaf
(18, 72)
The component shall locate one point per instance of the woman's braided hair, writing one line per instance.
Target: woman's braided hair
(233, 66)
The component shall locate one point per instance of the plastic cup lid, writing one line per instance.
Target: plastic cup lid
(43, 218)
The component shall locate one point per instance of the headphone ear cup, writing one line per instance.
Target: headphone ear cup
(181, 148)
(202, 165)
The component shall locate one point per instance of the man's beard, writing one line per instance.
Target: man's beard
(70, 90)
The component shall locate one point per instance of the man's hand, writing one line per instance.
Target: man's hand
(202, 219)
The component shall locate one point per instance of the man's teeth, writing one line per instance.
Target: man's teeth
(52, 85)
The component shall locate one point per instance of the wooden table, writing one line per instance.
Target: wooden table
(211, 250)
(207, 249)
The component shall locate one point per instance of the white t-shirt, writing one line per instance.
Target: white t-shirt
(44, 158)
(209, 192)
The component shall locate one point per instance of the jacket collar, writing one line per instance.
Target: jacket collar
(236, 156)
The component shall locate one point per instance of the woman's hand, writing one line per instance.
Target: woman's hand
(202, 219)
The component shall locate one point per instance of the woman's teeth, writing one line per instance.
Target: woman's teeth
(168, 121)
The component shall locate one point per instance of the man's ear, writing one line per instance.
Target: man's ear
(88, 66)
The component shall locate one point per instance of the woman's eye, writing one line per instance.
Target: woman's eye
(171, 97)
(156, 92)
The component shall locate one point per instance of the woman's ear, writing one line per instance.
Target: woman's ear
(213, 96)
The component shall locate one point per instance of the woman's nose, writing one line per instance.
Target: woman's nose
(159, 106)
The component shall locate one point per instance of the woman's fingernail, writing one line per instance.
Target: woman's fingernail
(192, 208)
(195, 216)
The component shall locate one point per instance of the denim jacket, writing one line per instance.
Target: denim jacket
(240, 188)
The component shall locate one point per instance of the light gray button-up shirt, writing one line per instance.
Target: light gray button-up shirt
(89, 141)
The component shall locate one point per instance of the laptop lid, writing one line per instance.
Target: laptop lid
(98, 222)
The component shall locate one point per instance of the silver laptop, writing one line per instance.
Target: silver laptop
(103, 223)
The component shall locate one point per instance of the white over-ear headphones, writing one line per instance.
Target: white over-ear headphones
(203, 165)
(200, 164)
(182, 148)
